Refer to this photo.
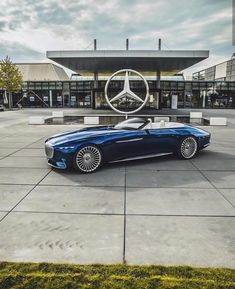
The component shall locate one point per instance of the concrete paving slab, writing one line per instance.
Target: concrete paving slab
(104, 177)
(22, 138)
(2, 214)
(6, 151)
(3, 135)
(229, 195)
(67, 237)
(24, 162)
(221, 179)
(10, 195)
(37, 145)
(102, 200)
(225, 142)
(29, 153)
(214, 164)
(185, 179)
(218, 153)
(15, 145)
(24, 176)
(161, 163)
(179, 201)
(222, 148)
(204, 242)
(62, 238)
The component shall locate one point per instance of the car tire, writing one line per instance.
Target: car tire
(88, 159)
(187, 148)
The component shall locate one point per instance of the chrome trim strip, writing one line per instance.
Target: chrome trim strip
(54, 166)
(142, 157)
(51, 165)
(129, 140)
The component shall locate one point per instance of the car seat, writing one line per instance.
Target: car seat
(162, 123)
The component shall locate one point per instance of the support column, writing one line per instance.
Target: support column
(158, 87)
(50, 98)
(94, 93)
(158, 80)
(127, 44)
(159, 44)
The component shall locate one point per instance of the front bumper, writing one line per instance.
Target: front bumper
(59, 157)
(57, 164)
(204, 141)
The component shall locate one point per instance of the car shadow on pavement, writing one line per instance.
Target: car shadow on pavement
(209, 169)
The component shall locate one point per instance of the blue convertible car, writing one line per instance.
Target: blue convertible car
(86, 149)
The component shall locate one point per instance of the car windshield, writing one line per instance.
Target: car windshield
(132, 123)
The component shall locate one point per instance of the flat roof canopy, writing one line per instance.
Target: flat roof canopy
(141, 60)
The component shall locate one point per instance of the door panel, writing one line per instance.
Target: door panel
(125, 144)
(162, 140)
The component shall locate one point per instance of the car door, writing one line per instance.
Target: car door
(161, 140)
(125, 144)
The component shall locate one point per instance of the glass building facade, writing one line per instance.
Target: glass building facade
(224, 71)
(84, 94)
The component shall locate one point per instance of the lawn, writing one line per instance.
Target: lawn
(57, 276)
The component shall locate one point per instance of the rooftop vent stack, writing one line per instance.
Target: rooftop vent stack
(127, 44)
(159, 44)
(95, 44)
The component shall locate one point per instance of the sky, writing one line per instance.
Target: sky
(28, 28)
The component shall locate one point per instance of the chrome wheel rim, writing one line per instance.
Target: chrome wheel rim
(188, 147)
(88, 159)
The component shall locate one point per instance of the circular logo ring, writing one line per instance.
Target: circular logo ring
(126, 92)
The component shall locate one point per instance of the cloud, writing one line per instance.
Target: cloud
(38, 26)
(19, 53)
(3, 24)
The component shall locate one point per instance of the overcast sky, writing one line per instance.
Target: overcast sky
(28, 28)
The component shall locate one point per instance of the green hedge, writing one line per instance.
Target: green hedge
(58, 276)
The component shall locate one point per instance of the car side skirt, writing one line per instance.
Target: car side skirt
(141, 157)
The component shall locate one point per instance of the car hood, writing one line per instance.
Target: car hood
(80, 134)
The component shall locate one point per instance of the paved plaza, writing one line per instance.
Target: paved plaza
(159, 211)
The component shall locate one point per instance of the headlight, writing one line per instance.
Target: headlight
(66, 148)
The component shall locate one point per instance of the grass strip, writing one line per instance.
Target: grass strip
(67, 276)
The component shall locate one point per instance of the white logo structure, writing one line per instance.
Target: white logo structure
(127, 95)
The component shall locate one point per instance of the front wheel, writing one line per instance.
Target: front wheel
(88, 159)
(187, 148)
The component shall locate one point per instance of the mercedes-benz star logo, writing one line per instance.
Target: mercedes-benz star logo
(126, 95)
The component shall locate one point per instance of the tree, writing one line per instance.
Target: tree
(11, 79)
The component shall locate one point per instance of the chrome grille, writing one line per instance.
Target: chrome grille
(49, 151)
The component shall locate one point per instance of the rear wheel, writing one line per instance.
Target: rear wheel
(88, 159)
(187, 148)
